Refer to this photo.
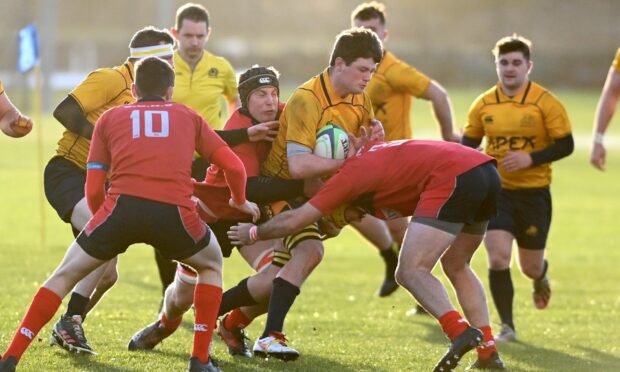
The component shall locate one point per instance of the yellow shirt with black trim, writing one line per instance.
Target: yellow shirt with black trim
(202, 89)
(390, 91)
(616, 62)
(1, 87)
(312, 106)
(527, 122)
(101, 90)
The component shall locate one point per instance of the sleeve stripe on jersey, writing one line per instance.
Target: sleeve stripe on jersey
(95, 165)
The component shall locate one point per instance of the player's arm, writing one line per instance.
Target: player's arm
(95, 185)
(561, 148)
(235, 175)
(473, 133)
(263, 189)
(471, 142)
(442, 110)
(604, 113)
(69, 113)
(12, 122)
(258, 132)
(281, 225)
(96, 170)
(302, 163)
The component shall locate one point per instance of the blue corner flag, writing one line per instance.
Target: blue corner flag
(28, 55)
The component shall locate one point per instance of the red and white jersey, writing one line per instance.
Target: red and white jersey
(148, 148)
(388, 178)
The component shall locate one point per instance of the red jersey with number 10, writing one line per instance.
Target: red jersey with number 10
(149, 146)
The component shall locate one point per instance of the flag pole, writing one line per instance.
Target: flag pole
(27, 60)
(40, 142)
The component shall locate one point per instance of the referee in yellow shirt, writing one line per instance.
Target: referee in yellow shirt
(201, 78)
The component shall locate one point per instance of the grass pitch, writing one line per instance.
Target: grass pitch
(337, 323)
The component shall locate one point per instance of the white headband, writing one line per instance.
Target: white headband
(160, 50)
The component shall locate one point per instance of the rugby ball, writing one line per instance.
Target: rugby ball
(332, 142)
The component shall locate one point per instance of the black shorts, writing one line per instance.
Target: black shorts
(176, 232)
(199, 169)
(474, 197)
(220, 230)
(526, 214)
(64, 186)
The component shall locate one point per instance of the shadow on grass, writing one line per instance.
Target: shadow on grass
(523, 356)
(86, 362)
(306, 362)
(534, 357)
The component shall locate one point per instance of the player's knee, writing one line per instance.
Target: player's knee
(109, 278)
(451, 269)
(182, 299)
(499, 260)
(532, 270)
(315, 255)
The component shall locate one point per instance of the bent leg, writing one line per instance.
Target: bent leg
(421, 250)
(498, 244)
(467, 286)
(75, 265)
(207, 296)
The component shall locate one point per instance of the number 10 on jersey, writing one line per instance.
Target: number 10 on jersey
(138, 124)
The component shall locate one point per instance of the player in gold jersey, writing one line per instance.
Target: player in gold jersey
(526, 128)
(390, 90)
(202, 79)
(65, 173)
(12, 122)
(605, 112)
(334, 96)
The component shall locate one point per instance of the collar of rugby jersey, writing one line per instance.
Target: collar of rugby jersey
(330, 93)
(521, 96)
(131, 69)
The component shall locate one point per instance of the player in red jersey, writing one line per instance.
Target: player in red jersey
(148, 147)
(451, 192)
(259, 91)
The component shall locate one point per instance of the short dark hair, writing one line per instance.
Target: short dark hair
(192, 12)
(514, 43)
(149, 36)
(368, 11)
(153, 77)
(356, 43)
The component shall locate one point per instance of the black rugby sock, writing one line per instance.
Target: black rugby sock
(77, 305)
(391, 260)
(282, 298)
(502, 291)
(167, 270)
(235, 297)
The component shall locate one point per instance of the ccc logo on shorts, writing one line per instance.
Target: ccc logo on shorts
(532, 230)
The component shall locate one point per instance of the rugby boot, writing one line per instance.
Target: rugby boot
(196, 366)
(148, 337)
(69, 334)
(417, 310)
(8, 365)
(492, 362)
(235, 340)
(506, 334)
(465, 342)
(275, 346)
